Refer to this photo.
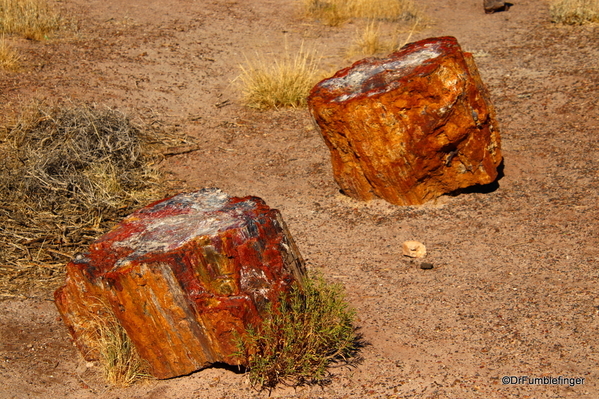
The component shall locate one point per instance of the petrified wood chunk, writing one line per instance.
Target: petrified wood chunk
(183, 276)
(410, 127)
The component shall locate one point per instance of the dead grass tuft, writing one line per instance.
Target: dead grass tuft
(575, 12)
(276, 83)
(331, 13)
(9, 59)
(32, 19)
(311, 327)
(335, 12)
(68, 174)
(369, 41)
(120, 362)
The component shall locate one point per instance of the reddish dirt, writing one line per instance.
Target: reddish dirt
(513, 288)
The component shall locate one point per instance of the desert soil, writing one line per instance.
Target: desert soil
(513, 291)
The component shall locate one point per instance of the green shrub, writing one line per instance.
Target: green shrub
(311, 327)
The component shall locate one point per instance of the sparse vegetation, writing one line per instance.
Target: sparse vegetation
(575, 12)
(120, 362)
(311, 327)
(335, 12)
(277, 83)
(32, 19)
(90, 157)
(370, 41)
(67, 174)
(9, 59)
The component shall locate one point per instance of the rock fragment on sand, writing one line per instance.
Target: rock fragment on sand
(413, 249)
(493, 6)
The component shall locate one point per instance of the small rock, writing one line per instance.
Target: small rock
(493, 6)
(426, 265)
(413, 249)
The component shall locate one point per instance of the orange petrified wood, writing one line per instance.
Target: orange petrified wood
(183, 276)
(410, 127)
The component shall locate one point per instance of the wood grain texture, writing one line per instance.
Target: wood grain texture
(410, 127)
(183, 276)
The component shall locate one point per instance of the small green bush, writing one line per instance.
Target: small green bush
(311, 327)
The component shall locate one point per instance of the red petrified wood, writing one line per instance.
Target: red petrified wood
(183, 276)
(410, 127)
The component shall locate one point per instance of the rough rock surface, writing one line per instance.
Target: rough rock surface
(182, 276)
(493, 6)
(410, 127)
(413, 249)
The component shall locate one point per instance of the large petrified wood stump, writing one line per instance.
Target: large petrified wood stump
(183, 276)
(410, 127)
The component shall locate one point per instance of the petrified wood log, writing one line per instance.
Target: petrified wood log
(183, 276)
(410, 127)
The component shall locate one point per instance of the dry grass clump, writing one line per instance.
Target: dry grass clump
(32, 19)
(278, 83)
(67, 175)
(335, 12)
(119, 360)
(370, 41)
(575, 12)
(9, 59)
(311, 327)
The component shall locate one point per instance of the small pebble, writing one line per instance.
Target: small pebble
(426, 265)
(413, 249)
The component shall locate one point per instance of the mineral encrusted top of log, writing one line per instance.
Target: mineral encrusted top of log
(169, 224)
(368, 78)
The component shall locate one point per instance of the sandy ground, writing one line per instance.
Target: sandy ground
(513, 291)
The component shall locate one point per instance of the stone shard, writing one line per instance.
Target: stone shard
(413, 249)
(183, 276)
(410, 127)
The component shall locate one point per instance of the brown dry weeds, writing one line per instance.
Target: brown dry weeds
(69, 173)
